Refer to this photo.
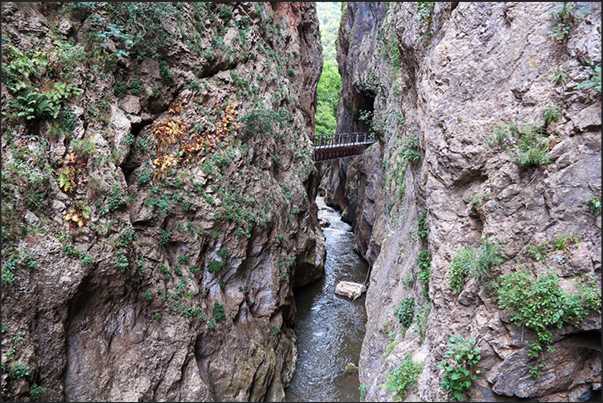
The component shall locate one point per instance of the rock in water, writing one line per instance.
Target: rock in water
(350, 369)
(350, 289)
(324, 223)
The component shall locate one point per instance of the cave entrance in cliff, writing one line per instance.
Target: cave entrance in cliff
(365, 107)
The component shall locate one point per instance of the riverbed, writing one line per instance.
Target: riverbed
(329, 328)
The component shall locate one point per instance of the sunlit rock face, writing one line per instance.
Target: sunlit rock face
(436, 83)
(186, 160)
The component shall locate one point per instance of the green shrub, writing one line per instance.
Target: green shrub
(164, 237)
(563, 241)
(538, 252)
(594, 205)
(215, 266)
(116, 199)
(551, 113)
(424, 263)
(594, 78)
(405, 311)
(362, 388)
(389, 348)
(540, 303)
(526, 145)
(459, 364)
(122, 262)
(120, 89)
(477, 260)
(404, 377)
(36, 391)
(18, 370)
(219, 312)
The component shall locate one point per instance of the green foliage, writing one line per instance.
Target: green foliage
(538, 252)
(559, 76)
(276, 330)
(478, 200)
(404, 377)
(594, 205)
(329, 16)
(526, 145)
(421, 231)
(421, 320)
(564, 14)
(328, 90)
(219, 312)
(459, 364)
(34, 105)
(362, 389)
(424, 264)
(116, 199)
(551, 113)
(164, 237)
(18, 370)
(215, 266)
(120, 89)
(563, 241)
(477, 260)
(540, 303)
(594, 78)
(424, 13)
(36, 391)
(389, 348)
(261, 121)
(165, 72)
(122, 262)
(405, 311)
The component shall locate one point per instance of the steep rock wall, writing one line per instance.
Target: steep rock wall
(437, 84)
(156, 220)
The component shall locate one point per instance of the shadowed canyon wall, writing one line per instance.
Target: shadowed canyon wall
(157, 198)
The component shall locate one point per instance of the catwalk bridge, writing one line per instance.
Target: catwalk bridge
(339, 145)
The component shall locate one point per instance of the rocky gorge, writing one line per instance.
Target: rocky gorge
(479, 208)
(158, 198)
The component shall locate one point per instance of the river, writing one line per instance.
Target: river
(329, 328)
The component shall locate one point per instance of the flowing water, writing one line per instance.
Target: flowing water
(329, 328)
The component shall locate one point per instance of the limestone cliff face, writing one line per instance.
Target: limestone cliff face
(157, 198)
(437, 83)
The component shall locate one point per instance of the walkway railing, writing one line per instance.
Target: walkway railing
(338, 145)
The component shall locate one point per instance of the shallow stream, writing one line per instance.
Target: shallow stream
(329, 328)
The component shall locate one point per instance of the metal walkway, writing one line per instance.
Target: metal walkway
(339, 145)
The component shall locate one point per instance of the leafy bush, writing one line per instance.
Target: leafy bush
(477, 260)
(540, 303)
(459, 364)
(362, 388)
(424, 263)
(551, 113)
(404, 377)
(164, 237)
(219, 312)
(36, 391)
(526, 145)
(538, 252)
(594, 205)
(405, 311)
(565, 20)
(120, 89)
(594, 78)
(563, 241)
(18, 370)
